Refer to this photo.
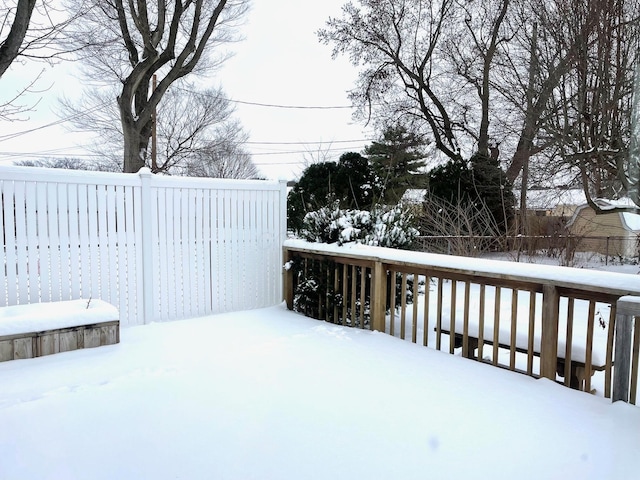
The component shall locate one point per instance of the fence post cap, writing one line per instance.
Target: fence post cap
(628, 305)
(145, 171)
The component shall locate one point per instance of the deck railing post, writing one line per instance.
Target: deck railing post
(626, 308)
(378, 297)
(287, 278)
(549, 342)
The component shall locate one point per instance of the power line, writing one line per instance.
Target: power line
(11, 136)
(292, 152)
(299, 107)
(308, 143)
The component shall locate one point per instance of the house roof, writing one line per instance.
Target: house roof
(629, 220)
(548, 199)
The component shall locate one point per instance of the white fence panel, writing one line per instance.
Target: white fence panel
(159, 248)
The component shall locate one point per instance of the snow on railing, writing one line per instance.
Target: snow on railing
(541, 320)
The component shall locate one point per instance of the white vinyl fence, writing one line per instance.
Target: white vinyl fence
(158, 248)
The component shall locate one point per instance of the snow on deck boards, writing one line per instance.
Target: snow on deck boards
(271, 394)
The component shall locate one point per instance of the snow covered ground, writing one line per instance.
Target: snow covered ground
(270, 394)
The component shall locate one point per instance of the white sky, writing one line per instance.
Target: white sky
(280, 62)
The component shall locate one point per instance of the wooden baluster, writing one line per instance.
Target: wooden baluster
(327, 293)
(481, 321)
(403, 305)
(496, 325)
(392, 308)
(321, 292)
(452, 317)
(336, 284)
(363, 285)
(609, 359)
(531, 333)
(305, 277)
(439, 316)
(569, 343)
(352, 316)
(465, 324)
(588, 371)
(514, 326)
(425, 325)
(414, 331)
(345, 294)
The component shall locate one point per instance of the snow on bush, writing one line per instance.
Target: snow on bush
(382, 226)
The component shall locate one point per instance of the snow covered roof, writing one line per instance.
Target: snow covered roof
(550, 198)
(414, 195)
(630, 220)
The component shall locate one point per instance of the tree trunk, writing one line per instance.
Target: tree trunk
(135, 150)
(10, 47)
(136, 135)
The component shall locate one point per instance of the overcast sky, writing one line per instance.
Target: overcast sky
(279, 62)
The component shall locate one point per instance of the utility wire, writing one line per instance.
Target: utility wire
(11, 136)
(300, 107)
(308, 143)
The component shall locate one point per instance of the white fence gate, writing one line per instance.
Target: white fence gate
(158, 248)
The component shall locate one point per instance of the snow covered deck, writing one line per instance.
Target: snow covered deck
(38, 329)
(271, 394)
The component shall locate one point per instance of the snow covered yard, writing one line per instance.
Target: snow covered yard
(270, 394)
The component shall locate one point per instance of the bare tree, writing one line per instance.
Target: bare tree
(224, 158)
(426, 63)
(32, 30)
(130, 42)
(471, 48)
(459, 227)
(188, 123)
(66, 163)
(593, 105)
(398, 44)
(17, 20)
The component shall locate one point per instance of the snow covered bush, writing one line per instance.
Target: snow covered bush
(320, 282)
(382, 226)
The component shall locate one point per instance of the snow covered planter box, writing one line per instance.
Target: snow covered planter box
(38, 329)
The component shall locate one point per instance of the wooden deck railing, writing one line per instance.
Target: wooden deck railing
(544, 321)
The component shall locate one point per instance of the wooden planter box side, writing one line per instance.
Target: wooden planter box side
(49, 342)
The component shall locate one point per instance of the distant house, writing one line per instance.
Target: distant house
(612, 234)
(554, 202)
(548, 210)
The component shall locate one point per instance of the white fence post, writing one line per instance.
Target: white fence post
(283, 236)
(147, 239)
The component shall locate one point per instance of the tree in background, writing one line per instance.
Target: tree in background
(397, 160)
(481, 183)
(424, 65)
(63, 163)
(350, 181)
(223, 157)
(28, 30)
(195, 130)
(130, 42)
(546, 81)
(592, 109)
